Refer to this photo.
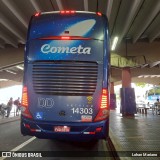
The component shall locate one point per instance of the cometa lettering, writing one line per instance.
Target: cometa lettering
(46, 49)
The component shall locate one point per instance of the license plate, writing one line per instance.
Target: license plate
(61, 129)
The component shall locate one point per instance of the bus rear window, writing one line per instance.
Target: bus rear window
(89, 26)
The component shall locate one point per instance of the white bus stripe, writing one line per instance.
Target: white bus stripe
(20, 146)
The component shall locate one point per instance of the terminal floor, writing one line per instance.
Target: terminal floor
(141, 133)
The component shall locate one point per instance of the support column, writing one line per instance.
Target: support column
(126, 78)
(112, 96)
(128, 104)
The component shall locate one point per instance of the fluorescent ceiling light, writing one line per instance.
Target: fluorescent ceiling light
(19, 67)
(3, 79)
(115, 40)
(11, 72)
(149, 76)
(140, 76)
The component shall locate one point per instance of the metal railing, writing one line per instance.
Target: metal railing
(3, 112)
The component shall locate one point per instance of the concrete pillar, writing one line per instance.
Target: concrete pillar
(112, 96)
(126, 78)
(128, 104)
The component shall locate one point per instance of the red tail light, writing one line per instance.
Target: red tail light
(104, 107)
(104, 100)
(65, 38)
(98, 13)
(73, 11)
(98, 129)
(37, 14)
(24, 97)
(67, 12)
(24, 103)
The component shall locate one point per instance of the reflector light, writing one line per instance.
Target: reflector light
(98, 13)
(32, 129)
(37, 14)
(88, 132)
(27, 126)
(99, 129)
(67, 12)
(35, 130)
(85, 132)
(102, 115)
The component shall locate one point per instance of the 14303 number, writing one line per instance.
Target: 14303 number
(82, 110)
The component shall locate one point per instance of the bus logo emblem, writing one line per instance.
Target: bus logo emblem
(62, 113)
(46, 48)
(45, 102)
(89, 98)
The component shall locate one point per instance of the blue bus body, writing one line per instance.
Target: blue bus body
(152, 95)
(66, 77)
(153, 98)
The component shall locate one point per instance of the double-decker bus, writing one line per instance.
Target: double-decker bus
(66, 76)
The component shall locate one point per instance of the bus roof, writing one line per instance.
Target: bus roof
(68, 12)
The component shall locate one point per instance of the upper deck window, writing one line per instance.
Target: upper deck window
(79, 24)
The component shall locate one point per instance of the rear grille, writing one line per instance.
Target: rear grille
(65, 78)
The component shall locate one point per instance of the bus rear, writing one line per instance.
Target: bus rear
(66, 74)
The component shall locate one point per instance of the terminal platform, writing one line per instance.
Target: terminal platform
(135, 134)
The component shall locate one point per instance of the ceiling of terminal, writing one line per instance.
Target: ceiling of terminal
(135, 23)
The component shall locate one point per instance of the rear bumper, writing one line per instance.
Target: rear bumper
(80, 131)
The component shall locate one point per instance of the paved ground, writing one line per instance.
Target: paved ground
(12, 140)
(10, 119)
(141, 133)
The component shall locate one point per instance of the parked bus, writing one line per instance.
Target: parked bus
(66, 76)
(152, 95)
